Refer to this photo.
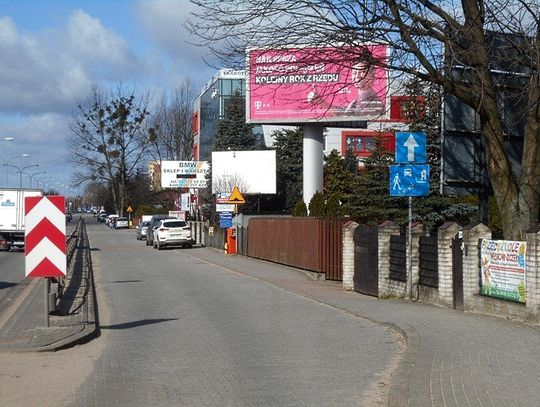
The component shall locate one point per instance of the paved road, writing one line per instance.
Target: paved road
(11, 271)
(181, 331)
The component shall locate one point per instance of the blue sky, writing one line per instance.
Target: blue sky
(55, 51)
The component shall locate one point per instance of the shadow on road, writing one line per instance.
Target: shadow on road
(135, 324)
(4, 284)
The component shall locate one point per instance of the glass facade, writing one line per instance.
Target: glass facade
(213, 102)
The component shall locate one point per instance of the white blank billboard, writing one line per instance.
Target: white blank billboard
(253, 172)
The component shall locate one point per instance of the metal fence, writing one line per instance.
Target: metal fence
(429, 265)
(398, 258)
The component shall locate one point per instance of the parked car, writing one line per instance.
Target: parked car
(102, 216)
(121, 223)
(153, 223)
(141, 230)
(110, 220)
(172, 232)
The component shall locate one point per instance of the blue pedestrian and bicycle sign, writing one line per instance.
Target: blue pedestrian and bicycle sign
(410, 148)
(409, 180)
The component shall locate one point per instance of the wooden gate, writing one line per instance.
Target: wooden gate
(366, 260)
(457, 272)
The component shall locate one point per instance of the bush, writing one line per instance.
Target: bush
(333, 208)
(317, 207)
(300, 209)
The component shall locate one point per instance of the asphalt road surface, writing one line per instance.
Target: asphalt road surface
(181, 331)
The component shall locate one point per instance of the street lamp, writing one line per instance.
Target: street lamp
(20, 171)
(31, 176)
(12, 158)
(40, 179)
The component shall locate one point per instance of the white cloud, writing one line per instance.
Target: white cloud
(97, 46)
(48, 71)
(164, 21)
(42, 136)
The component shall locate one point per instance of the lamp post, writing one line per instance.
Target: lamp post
(31, 176)
(20, 171)
(12, 158)
(40, 179)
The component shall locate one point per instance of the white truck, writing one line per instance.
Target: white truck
(12, 216)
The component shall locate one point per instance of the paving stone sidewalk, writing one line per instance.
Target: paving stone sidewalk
(452, 358)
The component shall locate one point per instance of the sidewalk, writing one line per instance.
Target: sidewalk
(23, 322)
(451, 358)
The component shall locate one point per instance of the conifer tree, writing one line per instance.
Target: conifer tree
(300, 209)
(233, 133)
(317, 206)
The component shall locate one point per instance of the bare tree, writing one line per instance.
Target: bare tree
(227, 182)
(173, 123)
(426, 38)
(109, 136)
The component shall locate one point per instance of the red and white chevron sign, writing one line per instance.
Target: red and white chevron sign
(45, 236)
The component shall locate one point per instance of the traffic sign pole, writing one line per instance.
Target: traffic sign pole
(409, 252)
(409, 178)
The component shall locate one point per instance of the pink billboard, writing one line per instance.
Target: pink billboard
(298, 85)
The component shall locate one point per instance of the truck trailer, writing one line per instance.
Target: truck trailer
(12, 216)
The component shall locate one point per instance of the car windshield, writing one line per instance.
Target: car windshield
(145, 224)
(121, 219)
(175, 224)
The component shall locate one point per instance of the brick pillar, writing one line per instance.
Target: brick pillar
(347, 241)
(417, 232)
(445, 236)
(386, 230)
(532, 273)
(471, 262)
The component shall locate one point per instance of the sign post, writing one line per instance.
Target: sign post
(410, 178)
(129, 210)
(236, 198)
(45, 240)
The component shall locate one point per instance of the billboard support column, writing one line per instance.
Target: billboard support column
(313, 160)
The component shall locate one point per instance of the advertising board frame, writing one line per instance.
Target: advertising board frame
(336, 100)
(503, 269)
(193, 171)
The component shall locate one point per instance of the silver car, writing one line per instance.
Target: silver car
(141, 230)
(121, 223)
(172, 232)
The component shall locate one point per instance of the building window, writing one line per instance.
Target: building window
(363, 143)
(226, 87)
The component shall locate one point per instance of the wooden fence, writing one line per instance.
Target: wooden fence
(309, 243)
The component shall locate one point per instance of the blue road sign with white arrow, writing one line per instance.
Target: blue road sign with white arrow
(410, 147)
(409, 180)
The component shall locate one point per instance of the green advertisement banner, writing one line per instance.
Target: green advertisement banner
(503, 269)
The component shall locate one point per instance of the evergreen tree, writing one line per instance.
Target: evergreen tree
(317, 207)
(289, 166)
(333, 209)
(340, 175)
(233, 133)
(371, 202)
(300, 209)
